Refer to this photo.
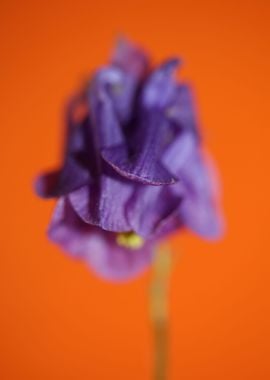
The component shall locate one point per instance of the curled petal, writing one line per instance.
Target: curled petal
(178, 152)
(61, 182)
(199, 207)
(75, 171)
(143, 163)
(149, 207)
(171, 223)
(148, 171)
(104, 205)
(141, 160)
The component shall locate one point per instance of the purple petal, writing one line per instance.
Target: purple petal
(61, 182)
(105, 122)
(181, 109)
(178, 152)
(150, 172)
(98, 248)
(119, 88)
(149, 206)
(113, 262)
(76, 170)
(143, 165)
(199, 209)
(171, 223)
(130, 58)
(160, 86)
(201, 216)
(152, 129)
(104, 205)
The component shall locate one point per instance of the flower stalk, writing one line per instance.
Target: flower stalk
(159, 313)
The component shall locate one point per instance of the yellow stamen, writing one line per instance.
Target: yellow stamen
(130, 240)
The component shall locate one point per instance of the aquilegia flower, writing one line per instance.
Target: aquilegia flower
(133, 169)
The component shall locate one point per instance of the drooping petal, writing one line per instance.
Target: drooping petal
(171, 223)
(178, 152)
(198, 209)
(149, 206)
(99, 249)
(76, 170)
(200, 215)
(61, 182)
(104, 204)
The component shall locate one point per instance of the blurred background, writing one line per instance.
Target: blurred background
(57, 320)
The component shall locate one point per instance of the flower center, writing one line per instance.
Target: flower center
(129, 240)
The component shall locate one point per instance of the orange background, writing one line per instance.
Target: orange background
(58, 321)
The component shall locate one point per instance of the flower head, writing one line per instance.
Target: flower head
(133, 169)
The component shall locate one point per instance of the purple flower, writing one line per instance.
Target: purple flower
(133, 169)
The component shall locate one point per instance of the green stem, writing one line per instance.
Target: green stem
(159, 310)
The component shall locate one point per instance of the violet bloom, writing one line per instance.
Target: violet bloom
(133, 170)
